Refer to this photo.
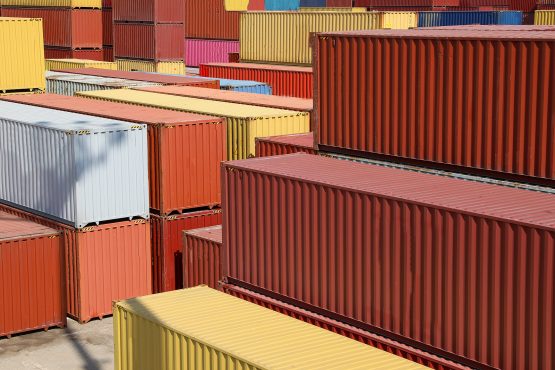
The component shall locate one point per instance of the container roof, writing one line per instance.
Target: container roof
(212, 233)
(303, 140)
(14, 227)
(519, 206)
(256, 335)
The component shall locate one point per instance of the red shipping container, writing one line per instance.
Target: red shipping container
(374, 340)
(339, 3)
(102, 263)
(522, 5)
(413, 100)
(401, 3)
(202, 263)
(67, 53)
(178, 179)
(208, 19)
(155, 11)
(257, 5)
(64, 27)
(285, 144)
(167, 258)
(106, 3)
(436, 260)
(32, 289)
(147, 77)
(107, 35)
(156, 42)
(484, 3)
(108, 53)
(284, 80)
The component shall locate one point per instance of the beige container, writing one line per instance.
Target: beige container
(169, 67)
(544, 17)
(58, 64)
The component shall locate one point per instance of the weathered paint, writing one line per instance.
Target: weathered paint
(208, 19)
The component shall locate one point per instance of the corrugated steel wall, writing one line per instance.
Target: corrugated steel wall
(107, 30)
(287, 144)
(55, 3)
(170, 67)
(443, 18)
(157, 42)
(73, 64)
(207, 19)
(546, 17)
(198, 51)
(202, 263)
(158, 11)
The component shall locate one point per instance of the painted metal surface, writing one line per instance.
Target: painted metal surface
(107, 31)
(281, 4)
(198, 51)
(32, 289)
(253, 87)
(59, 64)
(156, 42)
(74, 168)
(178, 179)
(207, 19)
(285, 144)
(72, 28)
(102, 263)
(108, 53)
(21, 52)
(307, 4)
(284, 80)
(244, 122)
(154, 11)
(130, 65)
(334, 9)
(366, 337)
(167, 256)
(406, 3)
(205, 328)
(236, 5)
(202, 264)
(399, 20)
(443, 18)
(256, 5)
(432, 259)
(411, 106)
(69, 53)
(53, 3)
(544, 17)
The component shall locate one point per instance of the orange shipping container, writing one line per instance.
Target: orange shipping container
(202, 264)
(31, 276)
(185, 149)
(102, 263)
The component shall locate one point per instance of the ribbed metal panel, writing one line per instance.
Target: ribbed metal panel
(252, 87)
(156, 42)
(51, 52)
(107, 30)
(199, 51)
(203, 328)
(54, 3)
(131, 65)
(464, 267)
(202, 264)
(432, 19)
(281, 4)
(286, 144)
(208, 19)
(71, 167)
(544, 17)
(156, 11)
(52, 64)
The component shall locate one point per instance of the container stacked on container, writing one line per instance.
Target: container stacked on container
(148, 35)
(72, 29)
(107, 33)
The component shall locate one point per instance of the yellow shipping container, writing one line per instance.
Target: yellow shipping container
(544, 17)
(244, 122)
(21, 55)
(236, 5)
(78, 63)
(356, 9)
(288, 33)
(201, 328)
(399, 20)
(169, 67)
(54, 3)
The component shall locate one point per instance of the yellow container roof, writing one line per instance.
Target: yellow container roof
(257, 335)
(204, 106)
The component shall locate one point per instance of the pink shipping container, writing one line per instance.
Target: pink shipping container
(32, 289)
(412, 99)
(208, 19)
(63, 27)
(67, 53)
(198, 51)
(202, 264)
(285, 144)
(154, 11)
(460, 269)
(157, 42)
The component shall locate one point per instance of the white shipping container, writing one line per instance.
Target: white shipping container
(74, 168)
(69, 83)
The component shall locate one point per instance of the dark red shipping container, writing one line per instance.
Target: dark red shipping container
(68, 53)
(284, 80)
(374, 340)
(256, 5)
(154, 11)
(408, 97)
(106, 3)
(147, 77)
(285, 144)
(64, 27)
(108, 53)
(167, 258)
(32, 289)
(522, 5)
(156, 42)
(202, 264)
(107, 34)
(339, 3)
(401, 3)
(460, 269)
(208, 19)
(484, 3)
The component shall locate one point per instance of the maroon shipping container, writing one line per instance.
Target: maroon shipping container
(32, 289)
(155, 11)
(63, 27)
(285, 144)
(107, 34)
(339, 3)
(460, 269)
(148, 77)
(408, 97)
(157, 42)
(67, 53)
(484, 3)
(202, 263)
(106, 3)
(208, 19)
(284, 80)
(374, 340)
(522, 5)
(167, 259)
(401, 3)
(108, 53)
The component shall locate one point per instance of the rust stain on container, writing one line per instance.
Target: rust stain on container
(202, 264)
(208, 19)
(178, 179)
(159, 42)
(285, 144)
(32, 289)
(482, 101)
(437, 261)
(167, 258)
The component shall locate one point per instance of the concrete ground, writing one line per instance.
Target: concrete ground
(88, 346)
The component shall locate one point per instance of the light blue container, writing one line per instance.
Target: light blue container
(436, 19)
(282, 4)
